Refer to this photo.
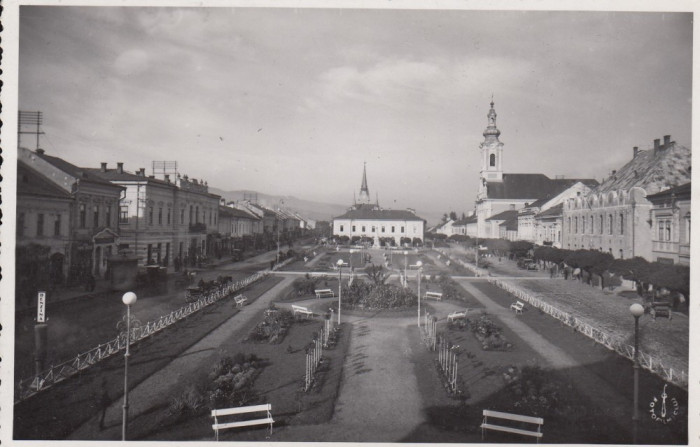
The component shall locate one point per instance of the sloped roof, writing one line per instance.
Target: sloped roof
(366, 212)
(531, 186)
(505, 215)
(84, 174)
(681, 191)
(30, 182)
(113, 175)
(551, 212)
(654, 170)
(511, 224)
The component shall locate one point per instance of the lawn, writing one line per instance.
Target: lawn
(58, 411)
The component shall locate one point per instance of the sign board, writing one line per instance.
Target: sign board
(41, 308)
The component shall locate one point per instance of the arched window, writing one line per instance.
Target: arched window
(583, 224)
(492, 160)
(622, 224)
(591, 223)
(600, 229)
(610, 224)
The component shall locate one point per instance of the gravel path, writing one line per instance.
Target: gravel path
(154, 391)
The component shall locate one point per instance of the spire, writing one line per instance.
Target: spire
(364, 190)
(491, 129)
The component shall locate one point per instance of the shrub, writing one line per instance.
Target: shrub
(190, 403)
(489, 334)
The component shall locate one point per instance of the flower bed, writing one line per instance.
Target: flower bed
(274, 326)
(489, 334)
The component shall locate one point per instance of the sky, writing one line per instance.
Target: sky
(293, 101)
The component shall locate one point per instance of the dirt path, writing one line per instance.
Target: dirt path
(154, 391)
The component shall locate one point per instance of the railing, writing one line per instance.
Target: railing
(613, 343)
(28, 387)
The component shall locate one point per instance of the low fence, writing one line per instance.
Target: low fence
(28, 387)
(646, 361)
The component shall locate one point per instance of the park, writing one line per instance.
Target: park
(365, 344)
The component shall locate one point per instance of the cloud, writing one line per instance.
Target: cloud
(131, 62)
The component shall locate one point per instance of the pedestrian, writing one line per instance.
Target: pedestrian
(103, 402)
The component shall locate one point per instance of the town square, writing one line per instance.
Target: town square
(345, 224)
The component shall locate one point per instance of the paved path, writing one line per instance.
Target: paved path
(155, 389)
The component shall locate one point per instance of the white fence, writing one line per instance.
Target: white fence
(613, 343)
(28, 387)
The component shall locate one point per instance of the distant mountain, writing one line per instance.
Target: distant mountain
(306, 208)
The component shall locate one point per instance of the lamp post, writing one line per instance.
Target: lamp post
(405, 268)
(340, 286)
(420, 269)
(128, 298)
(637, 311)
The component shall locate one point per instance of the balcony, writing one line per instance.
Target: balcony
(199, 227)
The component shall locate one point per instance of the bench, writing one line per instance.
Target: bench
(323, 293)
(485, 425)
(241, 410)
(456, 315)
(517, 307)
(301, 310)
(660, 309)
(240, 300)
(433, 295)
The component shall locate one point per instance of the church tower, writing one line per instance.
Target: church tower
(491, 155)
(364, 190)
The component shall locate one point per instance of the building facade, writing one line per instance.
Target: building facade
(670, 221)
(616, 216)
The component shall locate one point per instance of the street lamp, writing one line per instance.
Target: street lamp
(637, 311)
(420, 269)
(340, 285)
(405, 268)
(128, 298)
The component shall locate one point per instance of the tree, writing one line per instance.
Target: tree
(376, 273)
(453, 215)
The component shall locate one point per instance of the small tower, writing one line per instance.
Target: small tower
(364, 190)
(491, 154)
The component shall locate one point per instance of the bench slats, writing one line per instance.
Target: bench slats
(241, 410)
(242, 423)
(518, 431)
(514, 417)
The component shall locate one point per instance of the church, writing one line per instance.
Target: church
(368, 220)
(499, 191)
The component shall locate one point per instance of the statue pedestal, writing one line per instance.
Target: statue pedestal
(376, 242)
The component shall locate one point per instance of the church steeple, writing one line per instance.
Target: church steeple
(364, 190)
(491, 155)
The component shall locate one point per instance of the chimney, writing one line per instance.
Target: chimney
(635, 151)
(40, 151)
(103, 167)
(120, 167)
(614, 172)
(142, 172)
(657, 144)
(167, 178)
(667, 141)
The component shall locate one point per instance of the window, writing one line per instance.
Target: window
(190, 221)
(576, 224)
(383, 229)
(591, 224)
(150, 216)
(108, 215)
(20, 224)
(82, 215)
(583, 224)
(393, 229)
(687, 227)
(600, 229)
(610, 224)
(353, 228)
(124, 214)
(374, 229)
(660, 224)
(568, 225)
(668, 230)
(160, 216)
(95, 216)
(622, 224)
(402, 229)
(196, 213)
(169, 211)
(341, 228)
(57, 225)
(363, 228)
(182, 216)
(492, 160)
(40, 224)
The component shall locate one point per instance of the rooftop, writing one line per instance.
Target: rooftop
(531, 186)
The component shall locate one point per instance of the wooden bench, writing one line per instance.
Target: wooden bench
(517, 307)
(661, 309)
(267, 408)
(240, 300)
(323, 293)
(433, 295)
(301, 310)
(485, 425)
(456, 315)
